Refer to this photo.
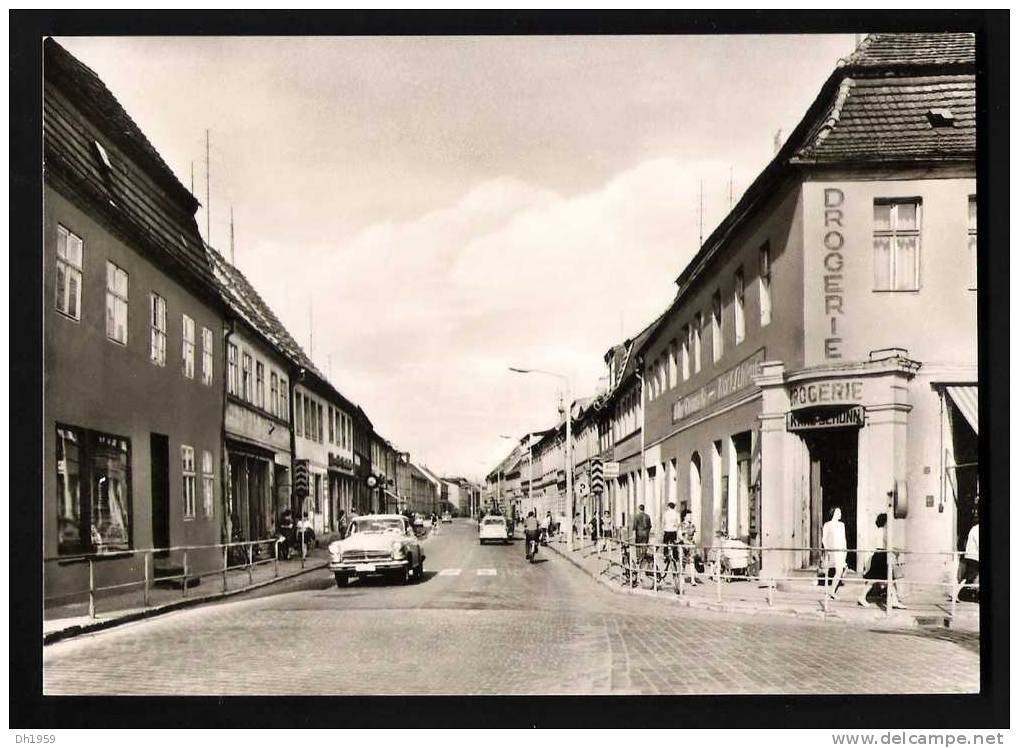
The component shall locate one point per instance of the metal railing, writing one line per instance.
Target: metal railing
(660, 562)
(240, 555)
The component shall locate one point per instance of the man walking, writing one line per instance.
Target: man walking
(641, 532)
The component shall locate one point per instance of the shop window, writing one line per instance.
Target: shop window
(93, 490)
(187, 467)
(716, 326)
(208, 475)
(116, 303)
(157, 349)
(231, 369)
(274, 393)
(187, 351)
(69, 256)
(260, 384)
(973, 242)
(207, 343)
(740, 323)
(897, 245)
(764, 280)
(246, 379)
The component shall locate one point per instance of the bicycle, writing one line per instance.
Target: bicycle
(672, 555)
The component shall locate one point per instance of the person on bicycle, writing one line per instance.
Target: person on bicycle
(670, 535)
(530, 533)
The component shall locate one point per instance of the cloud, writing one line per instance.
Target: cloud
(422, 318)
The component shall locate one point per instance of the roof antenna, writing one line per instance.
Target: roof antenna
(730, 187)
(311, 332)
(208, 201)
(700, 216)
(778, 140)
(192, 177)
(231, 235)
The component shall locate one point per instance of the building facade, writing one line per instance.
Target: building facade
(132, 321)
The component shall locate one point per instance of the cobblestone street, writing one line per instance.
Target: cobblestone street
(524, 629)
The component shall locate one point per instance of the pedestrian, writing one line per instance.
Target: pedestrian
(969, 569)
(833, 540)
(641, 532)
(594, 530)
(546, 526)
(877, 571)
(670, 533)
(435, 524)
(577, 530)
(606, 530)
(688, 537)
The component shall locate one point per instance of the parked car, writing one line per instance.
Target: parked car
(378, 545)
(447, 517)
(493, 528)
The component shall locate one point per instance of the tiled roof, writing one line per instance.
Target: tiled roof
(136, 194)
(886, 50)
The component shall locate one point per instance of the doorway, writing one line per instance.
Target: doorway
(834, 466)
(159, 452)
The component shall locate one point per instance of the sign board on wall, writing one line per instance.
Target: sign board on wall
(610, 469)
(728, 383)
(825, 418)
(830, 392)
(832, 276)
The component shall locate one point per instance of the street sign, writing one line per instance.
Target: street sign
(582, 487)
(301, 478)
(611, 469)
(597, 477)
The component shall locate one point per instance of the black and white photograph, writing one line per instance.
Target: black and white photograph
(512, 363)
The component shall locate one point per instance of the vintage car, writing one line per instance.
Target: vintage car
(493, 528)
(378, 545)
(447, 517)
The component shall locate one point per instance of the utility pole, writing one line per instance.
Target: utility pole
(232, 235)
(700, 216)
(311, 332)
(192, 177)
(208, 199)
(730, 188)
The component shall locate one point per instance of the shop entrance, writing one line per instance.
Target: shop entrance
(834, 464)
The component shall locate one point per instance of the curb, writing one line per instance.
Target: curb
(78, 630)
(819, 615)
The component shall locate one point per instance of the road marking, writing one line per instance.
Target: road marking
(486, 572)
(449, 573)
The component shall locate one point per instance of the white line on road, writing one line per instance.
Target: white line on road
(486, 572)
(449, 573)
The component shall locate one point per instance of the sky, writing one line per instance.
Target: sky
(424, 212)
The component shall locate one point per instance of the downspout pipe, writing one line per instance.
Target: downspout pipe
(230, 329)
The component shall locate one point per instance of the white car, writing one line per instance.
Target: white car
(378, 544)
(493, 528)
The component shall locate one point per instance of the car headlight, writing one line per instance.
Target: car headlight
(335, 548)
(398, 549)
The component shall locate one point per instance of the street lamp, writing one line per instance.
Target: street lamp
(569, 441)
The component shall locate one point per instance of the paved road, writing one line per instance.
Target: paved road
(484, 621)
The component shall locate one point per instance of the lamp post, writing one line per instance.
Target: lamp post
(569, 441)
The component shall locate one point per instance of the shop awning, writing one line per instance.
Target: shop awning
(965, 399)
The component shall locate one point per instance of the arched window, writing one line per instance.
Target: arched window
(694, 497)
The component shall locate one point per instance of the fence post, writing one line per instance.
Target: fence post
(681, 572)
(771, 592)
(184, 579)
(147, 559)
(226, 549)
(889, 581)
(826, 580)
(718, 582)
(276, 558)
(91, 589)
(654, 569)
(251, 578)
(304, 549)
(954, 588)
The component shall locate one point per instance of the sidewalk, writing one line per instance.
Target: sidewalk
(749, 597)
(116, 607)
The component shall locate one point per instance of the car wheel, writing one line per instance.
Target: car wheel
(341, 579)
(419, 571)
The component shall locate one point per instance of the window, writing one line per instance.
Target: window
(320, 430)
(187, 468)
(309, 419)
(157, 352)
(673, 364)
(246, 383)
(69, 253)
(716, 326)
(332, 425)
(207, 482)
(739, 320)
(259, 384)
(284, 410)
(187, 348)
(231, 369)
(973, 241)
(207, 344)
(897, 245)
(764, 279)
(695, 341)
(93, 491)
(274, 393)
(116, 303)
(298, 414)
(685, 352)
